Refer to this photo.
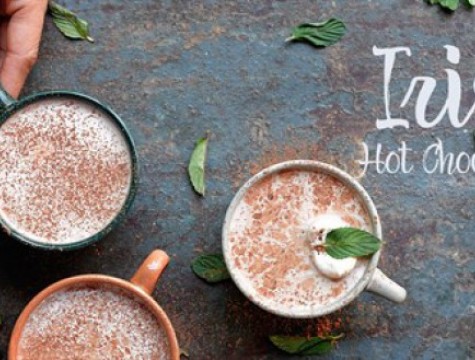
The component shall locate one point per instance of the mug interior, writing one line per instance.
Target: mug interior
(317, 167)
(96, 282)
(115, 119)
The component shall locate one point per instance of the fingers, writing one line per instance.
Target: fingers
(23, 35)
(15, 70)
(3, 40)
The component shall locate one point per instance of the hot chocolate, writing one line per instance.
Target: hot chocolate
(270, 238)
(65, 170)
(88, 323)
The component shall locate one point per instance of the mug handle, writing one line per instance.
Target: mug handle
(384, 286)
(149, 272)
(5, 99)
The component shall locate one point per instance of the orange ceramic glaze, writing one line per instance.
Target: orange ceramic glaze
(140, 287)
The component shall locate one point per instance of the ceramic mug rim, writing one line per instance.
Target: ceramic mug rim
(94, 280)
(14, 105)
(347, 180)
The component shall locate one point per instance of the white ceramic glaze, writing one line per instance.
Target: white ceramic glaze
(373, 279)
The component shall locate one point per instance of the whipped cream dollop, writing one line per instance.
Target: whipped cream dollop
(328, 266)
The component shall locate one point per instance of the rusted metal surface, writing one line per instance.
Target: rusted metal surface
(175, 69)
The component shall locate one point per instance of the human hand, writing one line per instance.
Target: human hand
(21, 24)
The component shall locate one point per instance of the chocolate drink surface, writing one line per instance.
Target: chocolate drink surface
(270, 239)
(92, 323)
(65, 170)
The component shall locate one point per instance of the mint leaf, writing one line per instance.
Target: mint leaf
(451, 5)
(319, 34)
(196, 167)
(299, 345)
(347, 242)
(68, 23)
(211, 268)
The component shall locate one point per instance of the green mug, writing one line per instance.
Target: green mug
(9, 106)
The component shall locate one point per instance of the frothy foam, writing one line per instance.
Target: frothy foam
(270, 238)
(86, 323)
(65, 170)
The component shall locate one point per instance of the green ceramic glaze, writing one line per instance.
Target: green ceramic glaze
(8, 106)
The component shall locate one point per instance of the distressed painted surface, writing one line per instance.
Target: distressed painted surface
(174, 69)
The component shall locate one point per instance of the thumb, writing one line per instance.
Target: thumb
(23, 34)
(15, 69)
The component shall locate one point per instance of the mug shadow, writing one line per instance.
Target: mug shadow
(24, 267)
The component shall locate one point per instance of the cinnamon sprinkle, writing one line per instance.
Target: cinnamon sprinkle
(65, 170)
(270, 239)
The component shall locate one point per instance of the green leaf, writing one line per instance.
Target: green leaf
(196, 167)
(68, 23)
(211, 268)
(346, 242)
(299, 345)
(451, 5)
(319, 34)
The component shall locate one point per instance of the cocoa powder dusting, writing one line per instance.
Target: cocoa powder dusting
(92, 323)
(66, 171)
(329, 325)
(270, 235)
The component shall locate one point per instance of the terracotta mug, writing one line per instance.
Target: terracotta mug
(141, 286)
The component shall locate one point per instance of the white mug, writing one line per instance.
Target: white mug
(373, 279)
